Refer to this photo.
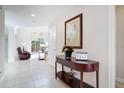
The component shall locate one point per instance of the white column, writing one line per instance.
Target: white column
(52, 45)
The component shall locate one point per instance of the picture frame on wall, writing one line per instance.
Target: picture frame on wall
(73, 32)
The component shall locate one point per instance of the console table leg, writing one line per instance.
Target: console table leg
(62, 68)
(56, 70)
(81, 79)
(97, 78)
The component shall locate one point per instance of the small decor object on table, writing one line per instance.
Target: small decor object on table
(82, 56)
(68, 51)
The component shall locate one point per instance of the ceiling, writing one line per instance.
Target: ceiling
(20, 15)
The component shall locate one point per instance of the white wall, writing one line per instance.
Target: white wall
(11, 44)
(2, 40)
(95, 38)
(120, 43)
(23, 37)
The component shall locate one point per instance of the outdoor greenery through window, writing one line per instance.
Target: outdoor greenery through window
(39, 43)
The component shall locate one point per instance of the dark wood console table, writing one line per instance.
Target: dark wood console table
(81, 66)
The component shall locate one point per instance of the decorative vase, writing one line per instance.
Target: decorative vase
(68, 54)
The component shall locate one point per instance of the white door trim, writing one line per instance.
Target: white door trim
(112, 45)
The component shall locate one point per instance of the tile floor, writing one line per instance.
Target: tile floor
(33, 74)
(30, 74)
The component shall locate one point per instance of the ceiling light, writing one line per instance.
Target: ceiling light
(33, 15)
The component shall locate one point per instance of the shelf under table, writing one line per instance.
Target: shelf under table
(72, 81)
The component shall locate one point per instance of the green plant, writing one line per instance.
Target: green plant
(67, 48)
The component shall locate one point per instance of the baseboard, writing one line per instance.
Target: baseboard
(120, 80)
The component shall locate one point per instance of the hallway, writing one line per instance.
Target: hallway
(30, 74)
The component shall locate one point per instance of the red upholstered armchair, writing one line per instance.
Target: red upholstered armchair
(23, 55)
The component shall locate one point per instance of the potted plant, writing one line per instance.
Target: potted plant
(68, 51)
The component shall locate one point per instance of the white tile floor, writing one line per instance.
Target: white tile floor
(30, 74)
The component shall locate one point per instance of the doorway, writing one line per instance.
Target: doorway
(39, 44)
(119, 47)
